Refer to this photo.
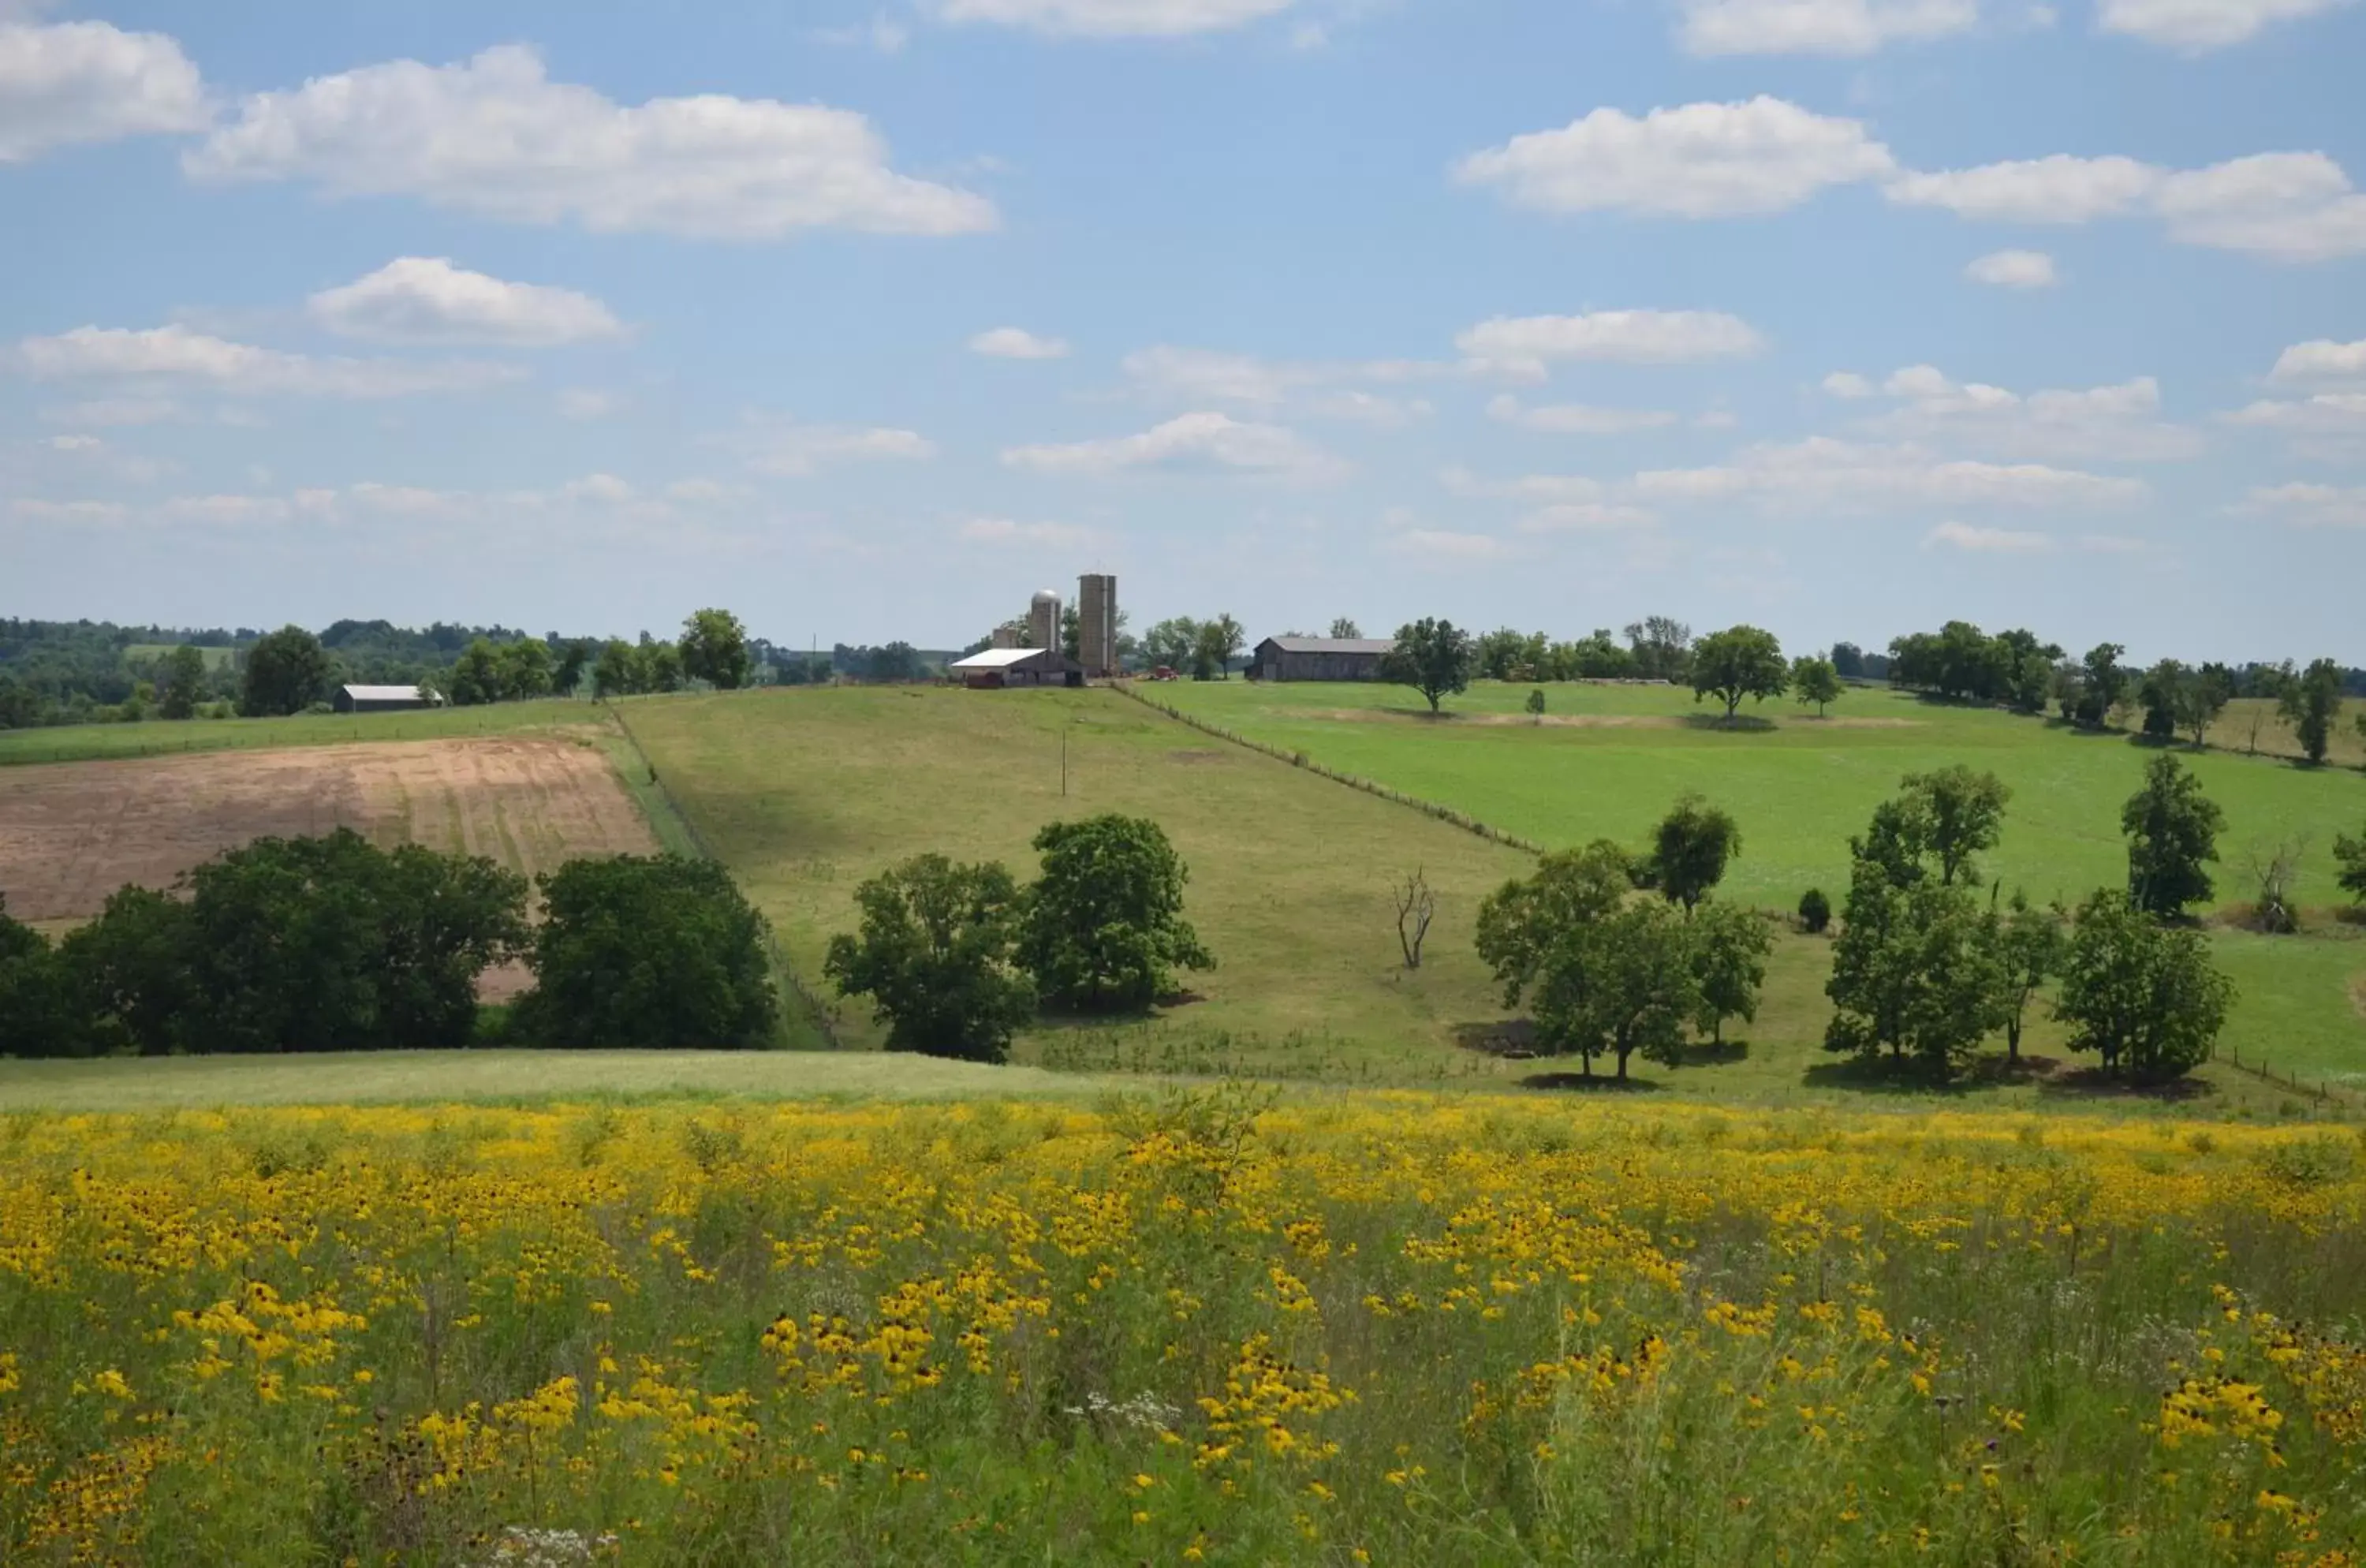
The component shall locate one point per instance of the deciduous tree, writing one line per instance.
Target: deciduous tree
(1964, 813)
(2030, 941)
(1520, 921)
(1813, 680)
(2310, 703)
(1103, 925)
(1730, 947)
(647, 952)
(714, 649)
(1738, 662)
(287, 672)
(1690, 849)
(935, 955)
(184, 685)
(1434, 657)
(2143, 996)
(2172, 832)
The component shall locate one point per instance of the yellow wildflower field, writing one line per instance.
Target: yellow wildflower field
(1194, 1327)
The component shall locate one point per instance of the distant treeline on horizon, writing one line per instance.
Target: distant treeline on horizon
(94, 672)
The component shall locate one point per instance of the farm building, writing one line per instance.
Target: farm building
(383, 699)
(998, 666)
(1319, 657)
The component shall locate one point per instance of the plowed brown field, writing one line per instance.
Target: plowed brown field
(71, 833)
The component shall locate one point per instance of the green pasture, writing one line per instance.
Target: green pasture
(1609, 758)
(157, 738)
(805, 793)
(146, 652)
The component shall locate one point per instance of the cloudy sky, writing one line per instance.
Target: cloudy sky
(1840, 316)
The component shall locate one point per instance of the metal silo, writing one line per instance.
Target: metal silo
(1097, 624)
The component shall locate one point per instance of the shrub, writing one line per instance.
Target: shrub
(1815, 911)
(649, 952)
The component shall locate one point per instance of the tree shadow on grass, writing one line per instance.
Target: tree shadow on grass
(1599, 1083)
(1738, 724)
(1714, 1052)
(1881, 1075)
(2094, 1083)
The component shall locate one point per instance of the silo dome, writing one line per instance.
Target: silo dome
(1044, 596)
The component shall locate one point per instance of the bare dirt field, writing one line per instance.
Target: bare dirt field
(72, 833)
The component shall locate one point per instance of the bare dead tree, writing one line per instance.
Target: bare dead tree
(1416, 907)
(2273, 869)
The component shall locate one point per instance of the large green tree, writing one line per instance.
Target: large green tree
(2172, 830)
(1690, 849)
(477, 676)
(525, 667)
(2030, 942)
(935, 955)
(1813, 680)
(287, 672)
(1913, 972)
(1618, 984)
(2310, 702)
(1520, 921)
(715, 650)
(1738, 662)
(1103, 925)
(42, 1013)
(647, 952)
(182, 683)
(2143, 996)
(1730, 946)
(1962, 813)
(1434, 657)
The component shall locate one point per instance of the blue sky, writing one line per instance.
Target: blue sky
(1843, 317)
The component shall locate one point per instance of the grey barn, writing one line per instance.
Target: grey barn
(1320, 658)
(381, 699)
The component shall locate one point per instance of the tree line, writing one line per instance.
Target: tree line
(956, 958)
(1930, 962)
(333, 944)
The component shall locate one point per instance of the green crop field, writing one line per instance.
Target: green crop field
(156, 737)
(804, 793)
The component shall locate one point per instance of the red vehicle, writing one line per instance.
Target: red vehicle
(1165, 673)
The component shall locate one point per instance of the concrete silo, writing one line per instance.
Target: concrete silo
(1097, 624)
(1043, 618)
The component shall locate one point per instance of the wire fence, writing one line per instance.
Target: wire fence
(2325, 1090)
(816, 1008)
(1447, 814)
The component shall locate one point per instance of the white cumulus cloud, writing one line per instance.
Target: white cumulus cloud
(1847, 384)
(2296, 206)
(427, 299)
(1989, 541)
(2196, 26)
(1017, 343)
(1575, 419)
(1444, 545)
(1525, 344)
(2321, 359)
(1825, 473)
(2120, 422)
(495, 136)
(1206, 442)
(174, 355)
(1820, 27)
(2311, 505)
(1586, 517)
(1116, 19)
(1702, 160)
(83, 82)
(2014, 269)
(1323, 390)
(786, 448)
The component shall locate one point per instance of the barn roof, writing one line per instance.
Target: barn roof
(383, 693)
(1330, 644)
(1012, 658)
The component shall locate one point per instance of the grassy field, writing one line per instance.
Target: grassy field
(1175, 1328)
(215, 657)
(804, 794)
(392, 1077)
(156, 737)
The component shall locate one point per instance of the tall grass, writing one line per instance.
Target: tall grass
(1199, 1326)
